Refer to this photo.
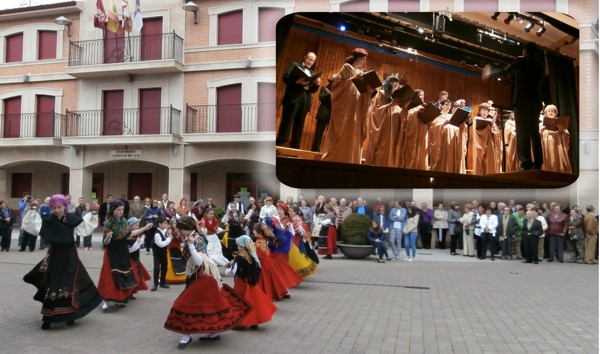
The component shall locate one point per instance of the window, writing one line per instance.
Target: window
(230, 28)
(538, 5)
(267, 21)
(358, 5)
(12, 117)
(267, 110)
(14, 48)
(21, 183)
(480, 6)
(46, 45)
(229, 108)
(404, 6)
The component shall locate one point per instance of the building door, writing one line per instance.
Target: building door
(44, 123)
(98, 187)
(12, 117)
(139, 184)
(152, 39)
(113, 112)
(150, 110)
(114, 46)
(229, 110)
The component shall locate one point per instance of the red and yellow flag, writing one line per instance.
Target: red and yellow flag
(113, 17)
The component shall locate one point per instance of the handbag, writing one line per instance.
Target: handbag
(458, 228)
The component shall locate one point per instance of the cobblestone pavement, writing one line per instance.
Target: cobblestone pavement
(436, 304)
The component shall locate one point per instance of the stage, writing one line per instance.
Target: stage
(310, 172)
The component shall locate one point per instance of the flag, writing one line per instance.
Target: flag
(138, 22)
(113, 18)
(125, 16)
(100, 17)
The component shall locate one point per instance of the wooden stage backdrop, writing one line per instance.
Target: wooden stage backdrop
(331, 54)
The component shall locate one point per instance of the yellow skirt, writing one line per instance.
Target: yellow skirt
(173, 278)
(301, 263)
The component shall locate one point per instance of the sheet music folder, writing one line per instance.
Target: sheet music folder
(370, 77)
(404, 94)
(298, 72)
(551, 123)
(430, 113)
(459, 116)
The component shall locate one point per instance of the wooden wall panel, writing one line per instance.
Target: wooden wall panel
(432, 79)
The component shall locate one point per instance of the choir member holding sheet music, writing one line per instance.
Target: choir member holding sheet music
(384, 119)
(349, 106)
(555, 141)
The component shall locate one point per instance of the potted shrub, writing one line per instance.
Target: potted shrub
(355, 244)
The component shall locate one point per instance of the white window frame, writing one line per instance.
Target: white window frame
(30, 41)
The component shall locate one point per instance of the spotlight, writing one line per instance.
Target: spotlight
(342, 27)
(528, 27)
(479, 37)
(420, 29)
(509, 18)
(495, 16)
(540, 31)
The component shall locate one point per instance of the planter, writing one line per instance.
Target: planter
(355, 251)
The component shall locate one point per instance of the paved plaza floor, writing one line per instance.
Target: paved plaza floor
(437, 304)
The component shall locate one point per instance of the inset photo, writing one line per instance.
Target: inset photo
(427, 100)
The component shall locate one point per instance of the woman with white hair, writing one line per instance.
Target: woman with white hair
(555, 142)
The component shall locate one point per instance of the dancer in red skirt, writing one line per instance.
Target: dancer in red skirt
(139, 271)
(246, 268)
(270, 280)
(206, 305)
(279, 253)
(117, 282)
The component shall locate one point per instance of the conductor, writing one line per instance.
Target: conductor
(296, 101)
(528, 73)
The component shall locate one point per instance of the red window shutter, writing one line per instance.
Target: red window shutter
(44, 120)
(152, 39)
(538, 5)
(404, 6)
(230, 28)
(229, 110)
(150, 110)
(46, 45)
(14, 48)
(267, 110)
(267, 21)
(355, 6)
(12, 117)
(113, 113)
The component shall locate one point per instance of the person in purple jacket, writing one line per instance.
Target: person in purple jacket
(425, 225)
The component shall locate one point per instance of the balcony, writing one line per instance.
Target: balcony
(139, 125)
(232, 122)
(19, 129)
(148, 54)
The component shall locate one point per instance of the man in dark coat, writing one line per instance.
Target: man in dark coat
(296, 101)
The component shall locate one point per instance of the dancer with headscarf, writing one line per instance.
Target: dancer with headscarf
(117, 282)
(206, 305)
(299, 261)
(64, 287)
(280, 250)
(246, 268)
(134, 244)
(270, 281)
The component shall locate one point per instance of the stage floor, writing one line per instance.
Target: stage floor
(314, 173)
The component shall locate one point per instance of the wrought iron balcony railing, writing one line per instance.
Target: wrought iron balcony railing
(31, 125)
(233, 118)
(128, 121)
(126, 49)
